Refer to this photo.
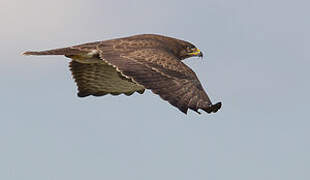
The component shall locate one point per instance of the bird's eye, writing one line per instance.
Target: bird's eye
(189, 49)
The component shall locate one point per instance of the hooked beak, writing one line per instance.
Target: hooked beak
(196, 53)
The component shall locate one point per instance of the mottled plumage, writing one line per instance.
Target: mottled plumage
(135, 63)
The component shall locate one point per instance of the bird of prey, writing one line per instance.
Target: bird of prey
(133, 64)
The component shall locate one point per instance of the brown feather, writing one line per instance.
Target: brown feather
(164, 75)
(99, 79)
(133, 64)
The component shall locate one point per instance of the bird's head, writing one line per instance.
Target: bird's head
(180, 48)
(187, 49)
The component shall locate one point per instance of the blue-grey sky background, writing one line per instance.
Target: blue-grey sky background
(256, 62)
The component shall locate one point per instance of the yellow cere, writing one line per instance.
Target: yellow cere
(196, 52)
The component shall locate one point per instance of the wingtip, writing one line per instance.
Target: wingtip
(216, 107)
(213, 108)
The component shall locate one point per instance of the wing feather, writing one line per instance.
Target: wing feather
(99, 79)
(165, 75)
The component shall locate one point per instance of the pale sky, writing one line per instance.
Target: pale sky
(256, 62)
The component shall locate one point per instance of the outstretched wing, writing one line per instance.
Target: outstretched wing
(164, 74)
(99, 79)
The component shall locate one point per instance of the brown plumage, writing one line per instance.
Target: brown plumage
(135, 63)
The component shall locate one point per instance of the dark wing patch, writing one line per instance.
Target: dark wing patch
(99, 79)
(165, 75)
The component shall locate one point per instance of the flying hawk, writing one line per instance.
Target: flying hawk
(135, 63)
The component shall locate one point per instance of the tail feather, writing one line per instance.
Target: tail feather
(61, 51)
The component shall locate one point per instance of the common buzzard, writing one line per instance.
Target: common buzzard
(135, 63)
